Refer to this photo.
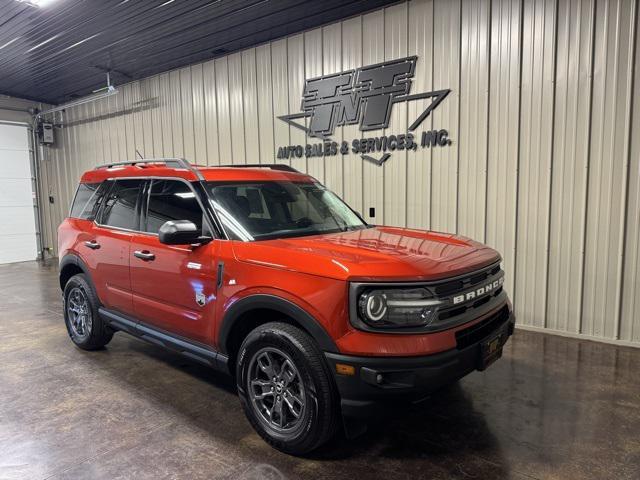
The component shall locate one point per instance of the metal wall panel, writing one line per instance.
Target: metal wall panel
(352, 164)
(608, 167)
(474, 118)
(199, 119)
(630, 319)
(543, 165)
(313, 69)
(444, 171)
(225, 139)
(295, 82)
(186, 103)
(373, 41)
(502, 170)
(536, 131)
(280, 92)
(395, 171)
(332, 63)
(250, 106)
(236, 112)
(264, 104)
(419, 163)
(571, 155)
(211, 113)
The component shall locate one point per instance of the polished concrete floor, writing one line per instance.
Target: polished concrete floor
(551, 408)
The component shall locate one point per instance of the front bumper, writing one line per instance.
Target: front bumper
(377, 379)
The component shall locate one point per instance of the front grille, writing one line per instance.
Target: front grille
(449, 288)
(475, 333)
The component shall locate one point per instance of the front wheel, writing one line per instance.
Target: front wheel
(285, 388)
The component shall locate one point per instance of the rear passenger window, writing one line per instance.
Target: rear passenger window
(120, 205)
(171, 200)
(87, 200)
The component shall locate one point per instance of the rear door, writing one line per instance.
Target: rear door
(174, 286)
(109, 243)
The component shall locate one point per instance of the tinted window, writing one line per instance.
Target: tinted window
(87, 200)
(120, 206)
(171, 200)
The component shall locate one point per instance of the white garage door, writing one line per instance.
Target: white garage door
(17, 221)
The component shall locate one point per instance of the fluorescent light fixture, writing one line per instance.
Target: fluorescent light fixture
(37, 3)
(110, 90)
(9, 43)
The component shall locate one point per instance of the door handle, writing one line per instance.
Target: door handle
(92, 244)
(144, 255)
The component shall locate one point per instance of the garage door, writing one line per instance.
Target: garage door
(17, 221)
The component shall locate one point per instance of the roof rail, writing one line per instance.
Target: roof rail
(273, 166)
(169, 162)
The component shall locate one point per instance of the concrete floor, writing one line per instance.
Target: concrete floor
(551, 408)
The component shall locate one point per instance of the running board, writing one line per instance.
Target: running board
(200, 353)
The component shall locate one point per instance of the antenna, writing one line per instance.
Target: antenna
(139, 154)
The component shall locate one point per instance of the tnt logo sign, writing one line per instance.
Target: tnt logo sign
(364, 96)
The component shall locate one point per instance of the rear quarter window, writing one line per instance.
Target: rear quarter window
(87, 200)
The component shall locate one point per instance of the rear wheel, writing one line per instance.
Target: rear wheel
(84, 325)
(285, 388)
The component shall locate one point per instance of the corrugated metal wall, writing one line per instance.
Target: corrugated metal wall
(544, 115)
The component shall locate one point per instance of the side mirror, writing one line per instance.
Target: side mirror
(181, 232)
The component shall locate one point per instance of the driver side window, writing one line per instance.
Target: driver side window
(171, 200)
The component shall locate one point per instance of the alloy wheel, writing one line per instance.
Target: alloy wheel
(79, 313)
(275, 389)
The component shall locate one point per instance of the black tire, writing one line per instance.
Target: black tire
(96, 334)
(318, 419)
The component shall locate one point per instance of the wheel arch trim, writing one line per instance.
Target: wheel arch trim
(278, 304)
(75, 260)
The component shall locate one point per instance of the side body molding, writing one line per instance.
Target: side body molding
(279, 304)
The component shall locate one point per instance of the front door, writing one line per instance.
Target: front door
(174, 286)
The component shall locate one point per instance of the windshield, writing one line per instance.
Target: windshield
(277, 209)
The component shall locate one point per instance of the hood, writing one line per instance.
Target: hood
(373, 254)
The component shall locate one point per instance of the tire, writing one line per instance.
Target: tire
(308, 379)
(92, 333)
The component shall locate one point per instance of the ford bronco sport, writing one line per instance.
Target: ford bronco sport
(265, 274)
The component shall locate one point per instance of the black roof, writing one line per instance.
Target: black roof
(62, 50)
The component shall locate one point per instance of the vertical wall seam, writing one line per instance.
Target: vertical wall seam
(384, 58)
(457, 209)
(519, 146)
(406, 155)
(612, 151)
(588, 171)
(204, 118)
(193, 115)
(273, 117)
(626, 171)
(255, 67)
(244, 116)
(488, 120)
(433, 39)
(228, 92)
(342, 127)
(362, 190)
(551, 160)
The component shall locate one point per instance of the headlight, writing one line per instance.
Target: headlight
(396, 307)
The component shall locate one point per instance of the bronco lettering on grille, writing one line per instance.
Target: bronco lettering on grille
(479, 292)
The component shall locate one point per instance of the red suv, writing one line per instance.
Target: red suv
(262, 272)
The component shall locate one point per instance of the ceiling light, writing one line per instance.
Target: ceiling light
(36, 3)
